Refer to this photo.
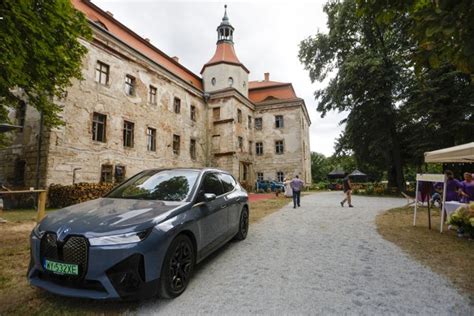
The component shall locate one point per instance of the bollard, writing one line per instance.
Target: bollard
(41, 206)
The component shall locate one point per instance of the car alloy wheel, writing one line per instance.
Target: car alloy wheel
(243, 224)
(177, 267)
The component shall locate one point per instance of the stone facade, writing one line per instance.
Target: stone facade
(189, 125)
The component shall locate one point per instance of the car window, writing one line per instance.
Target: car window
(228, 182)
(212, 184)
(164, 185)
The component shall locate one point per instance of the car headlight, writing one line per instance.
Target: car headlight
(38, 232)
(121, 239)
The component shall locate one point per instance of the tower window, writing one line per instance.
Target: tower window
(279, 148)
(192, 149)
(259, 148)
(119, 173)
(260, 176)
(249, 122)
(239, 115)
(99, 127)
(230, 81)
(129, 85)
(280, 176)
(106, 173)
(176, 143)
(177, 105)
(216, 113)
(152, 95)
(213, 81)
(128, 128)
(151, 139)
(102, 73)
(193, 113)
(278, 121)
(241, 143)
(258, 123)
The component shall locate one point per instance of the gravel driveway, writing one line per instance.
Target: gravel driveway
(316, 259)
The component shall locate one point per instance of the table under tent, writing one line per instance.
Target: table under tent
(457, 154)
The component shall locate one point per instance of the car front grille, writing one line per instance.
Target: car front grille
(73, 250)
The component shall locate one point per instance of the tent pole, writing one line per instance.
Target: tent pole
(442, 205)
(416, 202)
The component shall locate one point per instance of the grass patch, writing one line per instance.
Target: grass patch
(18, 298)
(261, 208)
(444, 253)
(19, 216)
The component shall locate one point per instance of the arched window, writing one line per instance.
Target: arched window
(231, 81)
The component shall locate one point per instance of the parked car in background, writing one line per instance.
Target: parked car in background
(142, 239)
(269, 184)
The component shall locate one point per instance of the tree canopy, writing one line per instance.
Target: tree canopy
(395, 112)
(443, 30)
(39, 53)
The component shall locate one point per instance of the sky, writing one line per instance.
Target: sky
(266, 39)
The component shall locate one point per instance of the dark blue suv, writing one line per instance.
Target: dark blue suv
(143, 238)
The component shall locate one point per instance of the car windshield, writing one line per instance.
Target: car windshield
(165, 185)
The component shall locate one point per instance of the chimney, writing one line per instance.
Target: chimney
(109, 13)
(267, 76)
(176, 59)
(147, 39)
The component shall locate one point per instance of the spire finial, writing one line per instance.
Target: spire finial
(225, 18)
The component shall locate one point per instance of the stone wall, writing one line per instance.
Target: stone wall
(72, 146)
(291, 162)
(24, 151)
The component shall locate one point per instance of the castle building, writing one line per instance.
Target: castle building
(138, 108)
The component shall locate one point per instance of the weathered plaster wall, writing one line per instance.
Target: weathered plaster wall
(222, 72)
(72, 146)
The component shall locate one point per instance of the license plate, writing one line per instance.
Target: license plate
(61, 268)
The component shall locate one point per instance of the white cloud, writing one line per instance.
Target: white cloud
(267, 35)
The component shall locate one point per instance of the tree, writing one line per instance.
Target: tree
(319, 167)
(438, 112)
(442, 29)
(39, 53)
(369, 61)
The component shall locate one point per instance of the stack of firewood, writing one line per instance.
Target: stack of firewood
(65, 195)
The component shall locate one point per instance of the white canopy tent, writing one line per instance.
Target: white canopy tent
(430, 178)
(461, 153)
(456, 154)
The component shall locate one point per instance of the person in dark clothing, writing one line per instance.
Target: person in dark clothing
(296, 185)
(346, 186)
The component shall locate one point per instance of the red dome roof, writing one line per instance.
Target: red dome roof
(225, 53)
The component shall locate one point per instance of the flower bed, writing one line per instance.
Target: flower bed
(463, 219)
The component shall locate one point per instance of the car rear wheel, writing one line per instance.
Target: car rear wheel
(177, 267)
(243, 224)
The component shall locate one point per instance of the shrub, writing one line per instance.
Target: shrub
(65, 195)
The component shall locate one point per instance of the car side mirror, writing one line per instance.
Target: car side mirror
(209, 197)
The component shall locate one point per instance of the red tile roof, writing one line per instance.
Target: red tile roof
(260, 91)
(225, 53)
(95, 14)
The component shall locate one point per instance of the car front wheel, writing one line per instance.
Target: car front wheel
(243, 224)
(177, 267)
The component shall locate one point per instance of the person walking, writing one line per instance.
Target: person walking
(296, 185)
(346, 185)
(288, 190)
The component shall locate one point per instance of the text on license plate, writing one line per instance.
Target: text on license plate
(61, 268)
